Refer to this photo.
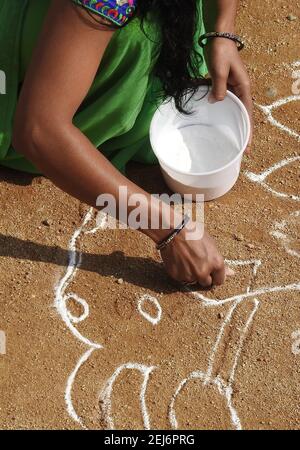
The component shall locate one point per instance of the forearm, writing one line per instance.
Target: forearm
(54, 88)
(220, 15)
(68, 158)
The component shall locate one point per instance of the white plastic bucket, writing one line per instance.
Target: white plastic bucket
(201, 153)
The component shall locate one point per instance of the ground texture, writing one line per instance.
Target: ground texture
(105, 340)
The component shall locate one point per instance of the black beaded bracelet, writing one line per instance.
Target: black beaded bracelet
(163, 244)
(233, 37)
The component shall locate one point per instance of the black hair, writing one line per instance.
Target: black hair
(179, 61)
(177, 66)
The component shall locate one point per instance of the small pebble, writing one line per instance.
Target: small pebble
(271, 92)
(120, 281)
(250, 246)
(46, 223)
(239, 237)
(292, 17)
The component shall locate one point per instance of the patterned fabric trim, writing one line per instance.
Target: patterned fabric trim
(117, 11)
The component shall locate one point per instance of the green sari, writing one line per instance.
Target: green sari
(118, 109)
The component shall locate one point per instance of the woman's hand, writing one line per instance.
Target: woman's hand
(228, 71)
(195, 261)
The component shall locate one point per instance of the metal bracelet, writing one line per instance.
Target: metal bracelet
(233, 37)
(163, 244)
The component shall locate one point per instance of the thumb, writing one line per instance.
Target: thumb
(219, 88)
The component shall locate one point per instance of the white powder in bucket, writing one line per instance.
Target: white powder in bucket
(198, 148)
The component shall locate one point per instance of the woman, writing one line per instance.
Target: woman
(82, 92)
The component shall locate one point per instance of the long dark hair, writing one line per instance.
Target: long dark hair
(178, 65)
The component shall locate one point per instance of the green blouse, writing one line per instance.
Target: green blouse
(118, 109)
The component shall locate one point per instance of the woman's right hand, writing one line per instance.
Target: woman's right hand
(195, 261)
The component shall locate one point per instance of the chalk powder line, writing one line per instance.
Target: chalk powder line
(268, 111)
(61, 302)
(280, 232)
(224, 389)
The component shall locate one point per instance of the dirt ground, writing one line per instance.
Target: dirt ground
(225, 359)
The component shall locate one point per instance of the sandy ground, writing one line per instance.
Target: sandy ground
(229, 358)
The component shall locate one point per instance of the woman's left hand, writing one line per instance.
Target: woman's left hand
(228, 71)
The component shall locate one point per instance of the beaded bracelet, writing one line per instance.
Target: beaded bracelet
(163, 244)
(233, 37)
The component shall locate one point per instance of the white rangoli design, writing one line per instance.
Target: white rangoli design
(224, 388)
(207, 377)
(268, 110)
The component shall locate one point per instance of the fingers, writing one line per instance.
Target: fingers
(239, 83)
(195, 262)
(218, 273)
(243, 92)
(219, 87)
(202, 278)
(246, 98)
(217, 277)
(205, 281)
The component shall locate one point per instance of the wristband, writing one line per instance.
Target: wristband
(163, 244)
(233, 37)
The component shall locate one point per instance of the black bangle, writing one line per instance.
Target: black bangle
(233, 37)
(163, 244)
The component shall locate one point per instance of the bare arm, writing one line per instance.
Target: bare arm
(61, 72)
(220, 15)
(225, 65)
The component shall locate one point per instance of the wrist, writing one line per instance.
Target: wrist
(220, 40)
(225, 26)
(167, 219)
(173, 234)
(220, 15)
